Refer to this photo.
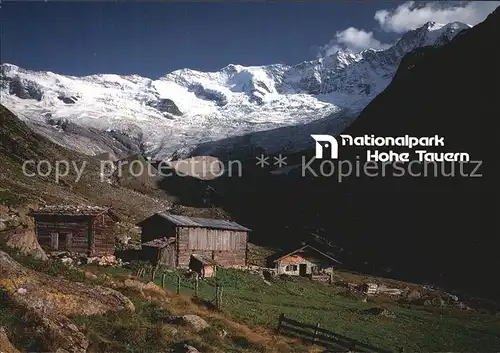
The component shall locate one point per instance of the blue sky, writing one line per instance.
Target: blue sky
(152, 39)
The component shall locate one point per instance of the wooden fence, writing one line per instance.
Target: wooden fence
(149, 273)
(315, 334)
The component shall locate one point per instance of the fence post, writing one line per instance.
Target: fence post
(280, 320)
(196, 286)
(217, 295)
(163, 276)
(220, 297)
(330, 280)
(178, 284)
(316, 332)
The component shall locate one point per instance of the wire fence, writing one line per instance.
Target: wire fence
(208, 290)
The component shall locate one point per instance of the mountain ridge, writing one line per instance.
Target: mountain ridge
(174, 114)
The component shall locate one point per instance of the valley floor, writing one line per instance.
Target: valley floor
(247, 298)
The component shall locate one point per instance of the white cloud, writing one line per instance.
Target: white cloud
(409, 15)
(352, 39)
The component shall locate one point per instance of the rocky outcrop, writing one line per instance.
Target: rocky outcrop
(48, 301)
(19, 233)
(27, 244)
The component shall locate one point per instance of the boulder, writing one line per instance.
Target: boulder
(379, 312)
(68, 261)
(143, 288)
(26, 243)
(90, 275)
(194, 321)
(5, 345)
(106, 260)
(190, 349)
(48, 301)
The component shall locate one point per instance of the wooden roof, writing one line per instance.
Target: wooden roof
(197, 222)
(73, 210)
(308, 247)
(203, 260)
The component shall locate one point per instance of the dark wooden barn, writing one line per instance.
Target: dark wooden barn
(222, 241)
(77, 229)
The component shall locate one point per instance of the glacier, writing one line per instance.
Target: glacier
(239, 108)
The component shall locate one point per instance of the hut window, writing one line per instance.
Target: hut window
(60, 241)
(54, 241)
(291, 268)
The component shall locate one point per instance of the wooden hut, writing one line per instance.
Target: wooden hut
(77, 229)
(222, 241)
(159, 252)
(202, 266)
(305, 261)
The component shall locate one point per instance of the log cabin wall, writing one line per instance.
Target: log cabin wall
(76, 230)
(103, 239)
(227, 247)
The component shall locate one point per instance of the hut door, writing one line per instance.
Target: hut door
(54, 241)
(303, 269)
(65, 241)
(167, 256)
(171, 253)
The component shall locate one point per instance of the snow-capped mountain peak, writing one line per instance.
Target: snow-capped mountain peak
(186, 108)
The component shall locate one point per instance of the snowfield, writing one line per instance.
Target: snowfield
(209, 112)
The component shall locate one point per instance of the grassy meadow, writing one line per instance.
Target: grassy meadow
(248, 299)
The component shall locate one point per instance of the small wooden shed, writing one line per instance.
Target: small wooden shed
(305, 261)
(77, 229)
(160, 251)
(203, 266)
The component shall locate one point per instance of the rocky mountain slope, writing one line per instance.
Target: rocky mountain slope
(170, 116)
(37, 185)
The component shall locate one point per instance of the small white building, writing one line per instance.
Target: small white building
(305, 261)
